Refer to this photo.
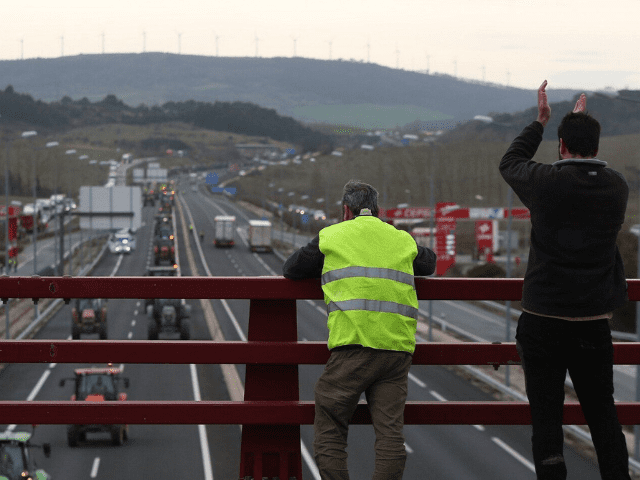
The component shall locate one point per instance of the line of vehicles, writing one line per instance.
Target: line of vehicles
(89, 317)
(259, 234)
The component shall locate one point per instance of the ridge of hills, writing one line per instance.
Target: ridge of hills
(351, 93)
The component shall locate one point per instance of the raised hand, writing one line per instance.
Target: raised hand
(544, 110)
(581, 104)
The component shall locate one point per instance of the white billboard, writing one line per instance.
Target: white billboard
(138, 175)
(110, 208)
(157, 175)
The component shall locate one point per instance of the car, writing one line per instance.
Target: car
(16, 461)
(122, 242)
(98, 384)
(319, 215)
(89, 315)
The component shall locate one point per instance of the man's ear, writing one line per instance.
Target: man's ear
(564, 153)
(346, 213)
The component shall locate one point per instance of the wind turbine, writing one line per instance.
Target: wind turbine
(217, 37)
(256, 40)
(295, 41)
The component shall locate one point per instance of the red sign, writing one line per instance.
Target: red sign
(484, 238)
(445, 245)
(451, 210)
(13, 228)
(13, 210)
(411, 212)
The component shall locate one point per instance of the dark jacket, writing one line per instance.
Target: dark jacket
(577, 209)
(307, 262)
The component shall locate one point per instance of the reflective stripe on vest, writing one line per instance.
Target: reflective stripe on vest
(373, 306)
(369, 272)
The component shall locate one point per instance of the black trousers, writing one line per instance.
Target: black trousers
(548, 347)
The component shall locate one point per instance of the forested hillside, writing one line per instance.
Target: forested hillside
(338, 91)
(22, 111)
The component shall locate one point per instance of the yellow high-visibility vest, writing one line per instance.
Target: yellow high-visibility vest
(368, 284)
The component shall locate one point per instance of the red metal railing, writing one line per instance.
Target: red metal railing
(271, 413)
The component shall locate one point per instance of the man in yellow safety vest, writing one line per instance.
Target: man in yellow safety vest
(367, 269)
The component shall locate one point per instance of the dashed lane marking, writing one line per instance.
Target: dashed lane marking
(417, 380)
(514, 454)
(94, 468)
(437, 396)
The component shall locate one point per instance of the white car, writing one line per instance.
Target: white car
(122, 242)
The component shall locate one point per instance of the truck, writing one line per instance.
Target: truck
(260, 236)
(225, 226)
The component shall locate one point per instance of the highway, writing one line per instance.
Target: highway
(442, 451)
(170, 451)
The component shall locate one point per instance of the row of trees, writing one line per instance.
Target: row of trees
(234, 117)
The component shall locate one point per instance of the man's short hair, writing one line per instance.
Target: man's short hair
(580, 133)
(358, 195)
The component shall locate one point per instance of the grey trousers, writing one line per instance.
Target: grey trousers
(382, 376)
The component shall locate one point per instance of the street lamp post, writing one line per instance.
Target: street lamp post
(34, 223)
(59, 221)
(6, 238)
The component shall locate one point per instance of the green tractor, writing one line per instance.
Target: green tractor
(16, 461)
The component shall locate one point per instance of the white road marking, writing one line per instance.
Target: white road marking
(204, 443)
(135, 312)
(130, 335)
(408, 448)
(473, 312)
(234, 320)
(94, 468)
(417, 380)
(52, 365)
(133, 323)
(33, 394)
(137, 304)
(437, 396)
(514, 454)
(480, 427)
(115, 269)
(310, 462)
(39, 385)
(242, 236)
(262, 262)
(320, 309)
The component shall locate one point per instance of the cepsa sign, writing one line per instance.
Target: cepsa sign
(410, 212)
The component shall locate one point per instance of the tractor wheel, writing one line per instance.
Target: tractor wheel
(72, 437)
(184, 330)
(153, 330)
(117, 435)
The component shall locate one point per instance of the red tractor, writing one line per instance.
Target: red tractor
(98, 385)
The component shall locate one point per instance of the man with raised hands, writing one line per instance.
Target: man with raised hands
(573, 283)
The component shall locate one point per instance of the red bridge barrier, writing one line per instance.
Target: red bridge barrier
(271, 413)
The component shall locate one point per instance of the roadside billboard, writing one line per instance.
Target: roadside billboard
(110, 208)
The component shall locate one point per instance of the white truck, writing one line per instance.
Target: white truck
(225, 226)
(260, 235)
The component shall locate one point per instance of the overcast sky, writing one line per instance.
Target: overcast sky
(585, 44)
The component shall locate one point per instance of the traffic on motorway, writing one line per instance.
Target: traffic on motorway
(187, 235)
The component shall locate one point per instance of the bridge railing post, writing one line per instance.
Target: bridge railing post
(271, 450)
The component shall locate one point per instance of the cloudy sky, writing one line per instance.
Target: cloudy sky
(585, 44)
